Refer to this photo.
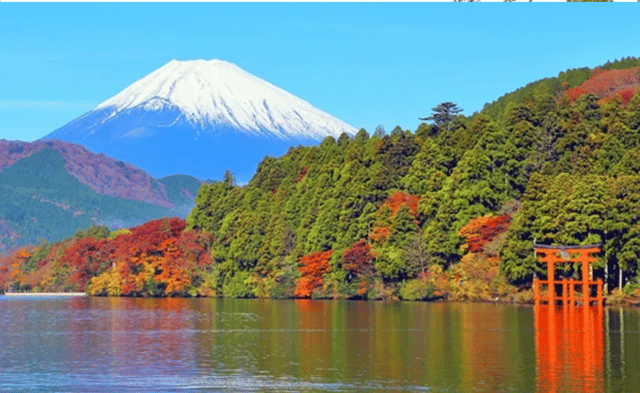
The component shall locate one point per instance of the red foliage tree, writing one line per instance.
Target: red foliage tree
(574, 93)
(626, 95)
(358, 260)
(607, 83)
(84, 258)
(194, 246)
(146, 238)
(482, 230)
(313, 267)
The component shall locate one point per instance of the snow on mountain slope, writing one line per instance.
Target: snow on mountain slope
(200, 118)
(216, 92)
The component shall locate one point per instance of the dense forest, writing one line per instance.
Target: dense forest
(450, 211)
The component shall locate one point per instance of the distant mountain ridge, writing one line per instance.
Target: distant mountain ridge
(200, 118)
(103, 174)
(50, 189)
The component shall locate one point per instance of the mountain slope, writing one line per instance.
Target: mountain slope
(570, 83)
(605, 84)
(103, 174)
(49, 190)
(200, 118)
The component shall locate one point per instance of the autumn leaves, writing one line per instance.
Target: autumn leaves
(158, 258)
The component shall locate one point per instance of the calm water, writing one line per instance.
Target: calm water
(120, 344)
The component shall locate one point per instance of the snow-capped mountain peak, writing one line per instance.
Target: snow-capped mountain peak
(200, 118)
(218, 93)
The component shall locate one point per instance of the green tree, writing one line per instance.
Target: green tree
(403, 227)
(633, 108)
(587, 105)
(443, 114)
(518, 262)
(622, 226)
(415, 256)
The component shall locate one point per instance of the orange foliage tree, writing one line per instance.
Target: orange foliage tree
(477, 275)
(312, 267)
(399, 198)
(174, 270)
(157, 258)
(11, 273)
(482, 230)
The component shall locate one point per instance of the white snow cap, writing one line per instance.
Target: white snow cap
(216, 92)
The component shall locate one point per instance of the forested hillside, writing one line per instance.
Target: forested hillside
(563, 170)
(50, 189)
(451, 210)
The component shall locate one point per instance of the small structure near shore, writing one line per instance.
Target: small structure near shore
(567, 254)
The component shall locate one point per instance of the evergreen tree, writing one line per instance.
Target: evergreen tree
(379, 131)
(443, 115)
(402, 228)
(622, 226)
(569, 167)
(518, 261)
(633, 108)
(587, 105)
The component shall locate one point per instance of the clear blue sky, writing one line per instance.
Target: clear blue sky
(365, 63)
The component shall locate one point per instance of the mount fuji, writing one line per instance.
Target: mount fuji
(200, 118)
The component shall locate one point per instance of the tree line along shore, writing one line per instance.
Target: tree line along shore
(448, 211)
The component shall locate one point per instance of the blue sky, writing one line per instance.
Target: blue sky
(365, 63)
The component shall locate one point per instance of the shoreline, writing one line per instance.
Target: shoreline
(44, 294)
(496, 301)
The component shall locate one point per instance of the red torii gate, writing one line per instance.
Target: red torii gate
(567, 254)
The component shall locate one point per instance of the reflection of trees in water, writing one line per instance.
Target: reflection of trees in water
(358, 345)
(622, 354)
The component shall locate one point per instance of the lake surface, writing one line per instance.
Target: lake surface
(122, 344)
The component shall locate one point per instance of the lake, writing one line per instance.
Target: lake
(123, 344)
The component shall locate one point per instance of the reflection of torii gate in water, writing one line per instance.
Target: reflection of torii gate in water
(567, 254)
(570, 346)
